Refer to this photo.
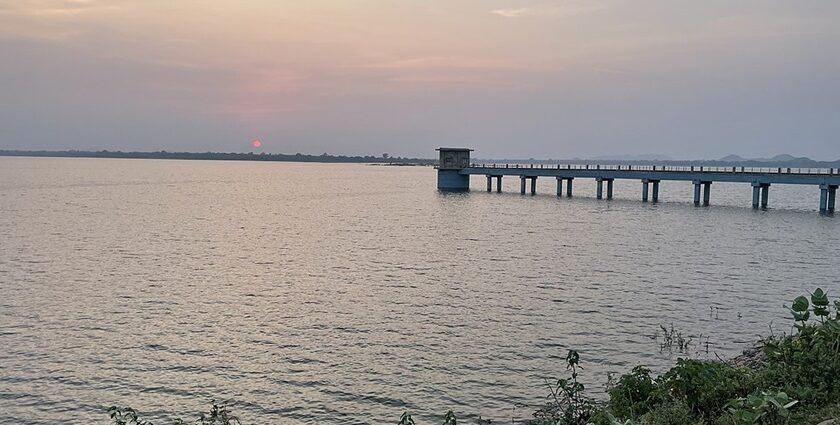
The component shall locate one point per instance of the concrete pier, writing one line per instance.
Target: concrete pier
(646, 183)
(454, 171)
(828, 198)
(760, 195)
(655, 190)
(765, 194)
(522, 181)
(696, 193)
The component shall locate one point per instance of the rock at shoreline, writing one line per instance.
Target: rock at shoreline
(751, 358)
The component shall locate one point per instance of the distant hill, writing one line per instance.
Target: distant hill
(778, 158)
(785, 157)
(732, 158)
(643, 157)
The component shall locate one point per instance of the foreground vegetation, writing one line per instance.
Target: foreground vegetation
(792, 379)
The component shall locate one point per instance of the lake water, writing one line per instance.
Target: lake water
(335, 293)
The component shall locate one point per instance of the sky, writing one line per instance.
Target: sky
(509, 78)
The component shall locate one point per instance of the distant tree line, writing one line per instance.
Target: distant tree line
(224, 156)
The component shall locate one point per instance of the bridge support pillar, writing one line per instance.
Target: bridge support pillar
(756, 187)
(599, 193)
(534, 185)
(765, 194)
(610, 188)
(696, 193)
(569, 187)
(707, 188)
(655, 190)
(489, 183)
(522, 185)
(499, 184)
(559, 186)
(645, 190)
(828, 198)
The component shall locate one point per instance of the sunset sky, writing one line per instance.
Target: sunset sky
(510, 78)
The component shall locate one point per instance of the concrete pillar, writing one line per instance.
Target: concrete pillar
(499, 184)
(489, 183)
(522, 184)
(610, 189)
(655, 190)
(533, 185)
(645, 190)
(707, 188)
(756, 192)
(823, 198)
(559, 186)
(832, 198)
(765, 189)
(569, 187)
(600, 192)
(696, 193)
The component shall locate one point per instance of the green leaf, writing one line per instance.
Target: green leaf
(800, 304)
(573, 358)
(819, 298)
(791, 404)
(801, 316)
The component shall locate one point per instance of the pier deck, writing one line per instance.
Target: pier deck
(455, 169)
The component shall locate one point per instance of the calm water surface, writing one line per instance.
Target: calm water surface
(314, 293)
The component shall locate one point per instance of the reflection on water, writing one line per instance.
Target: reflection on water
(312, 293)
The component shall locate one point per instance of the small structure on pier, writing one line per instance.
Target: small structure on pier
(455, 170)
(452, 162)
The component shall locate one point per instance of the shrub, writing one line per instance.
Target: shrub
(705, 386)
(634, 394)
(807, 365)
(759, 407)
(568, 405)
(670, 413)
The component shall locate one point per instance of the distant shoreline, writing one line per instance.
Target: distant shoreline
(400, 161)
(222, 156)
